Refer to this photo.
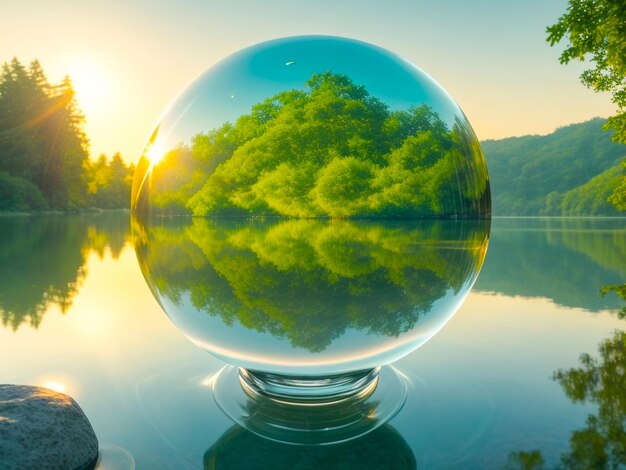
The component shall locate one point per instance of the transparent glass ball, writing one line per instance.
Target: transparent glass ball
(311, 206)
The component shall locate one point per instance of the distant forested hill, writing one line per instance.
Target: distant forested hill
(569, 172)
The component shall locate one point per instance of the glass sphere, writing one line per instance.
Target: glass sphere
(311, 205)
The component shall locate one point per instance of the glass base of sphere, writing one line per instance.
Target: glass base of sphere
(306, 390)
(310, 410)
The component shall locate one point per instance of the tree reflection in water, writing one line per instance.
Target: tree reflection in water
(42, 260)
(601, 444)
(309, 281)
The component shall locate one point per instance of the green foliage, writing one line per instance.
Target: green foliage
(330, 150)
(595, 30)
(591, 198)
(109, 182)
(43, 149)
(567, 172)
(41, 137)
(523, 460)
(620, 290)
(602, 443)
(17, 194)
(287, 190)
(179, 174)
(310, 280)
(618, 198)
(343, 187)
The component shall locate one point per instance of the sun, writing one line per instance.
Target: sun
(92, 84)
(155, 152)
(56, 386)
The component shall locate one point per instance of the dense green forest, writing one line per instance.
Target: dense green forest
(332, 150)
(44, 156)
(569, 172)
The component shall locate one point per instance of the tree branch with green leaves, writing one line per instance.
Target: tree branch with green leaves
(595, 31)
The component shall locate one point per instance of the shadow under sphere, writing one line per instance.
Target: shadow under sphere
(241, 449)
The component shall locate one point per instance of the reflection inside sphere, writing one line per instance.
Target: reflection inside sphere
(298, 294)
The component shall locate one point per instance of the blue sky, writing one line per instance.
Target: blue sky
(130, 59)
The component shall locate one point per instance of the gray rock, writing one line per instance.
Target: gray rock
(44, 429)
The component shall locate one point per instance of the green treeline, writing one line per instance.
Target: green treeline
(109, 182)
(308, 281)
(44, 158)
(571, 172)
(328, 150)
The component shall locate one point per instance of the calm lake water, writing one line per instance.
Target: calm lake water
(78, 316)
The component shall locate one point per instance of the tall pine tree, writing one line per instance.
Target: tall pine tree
(41, 135)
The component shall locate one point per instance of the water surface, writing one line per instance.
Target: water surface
(77, 315)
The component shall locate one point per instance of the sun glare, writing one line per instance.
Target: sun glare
(155, 153)
(56, 386)
(58, 383)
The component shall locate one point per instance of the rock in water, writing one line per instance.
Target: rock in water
(44, 429)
